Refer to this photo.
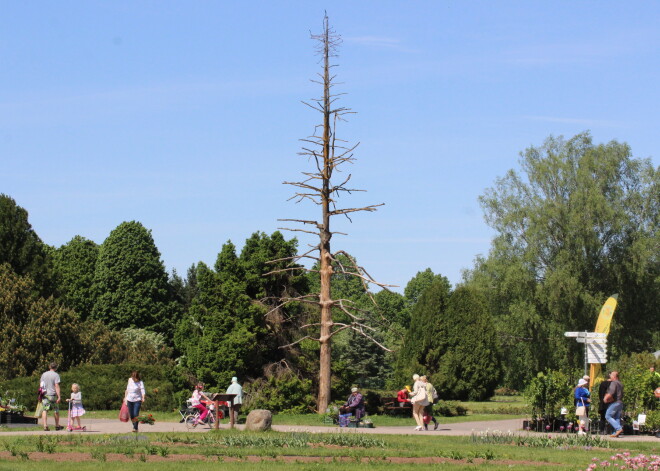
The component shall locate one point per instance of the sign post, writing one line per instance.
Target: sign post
(595, 346)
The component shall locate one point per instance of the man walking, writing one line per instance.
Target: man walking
(432, 396)
(614, 398)
(50, 383)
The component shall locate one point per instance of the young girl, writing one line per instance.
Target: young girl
(196, 399)
(76, 405)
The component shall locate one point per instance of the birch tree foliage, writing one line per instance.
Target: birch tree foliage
(576, 223)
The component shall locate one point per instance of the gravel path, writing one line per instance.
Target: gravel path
(108, 426)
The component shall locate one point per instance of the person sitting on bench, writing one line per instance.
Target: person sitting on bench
(403, 397)
(354, 405)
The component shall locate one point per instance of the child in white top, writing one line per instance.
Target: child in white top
(76, 410)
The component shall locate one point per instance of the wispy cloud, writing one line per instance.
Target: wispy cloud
(582, 50)
(426, 240)
(379, 42)
(75, 105)
(579, 121)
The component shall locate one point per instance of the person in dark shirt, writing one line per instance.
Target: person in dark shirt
(613, 414)
(602, 405)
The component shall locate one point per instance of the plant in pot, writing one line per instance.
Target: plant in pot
(653, 422)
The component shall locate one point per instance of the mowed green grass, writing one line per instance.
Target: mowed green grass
(255, 452)
(478, 411)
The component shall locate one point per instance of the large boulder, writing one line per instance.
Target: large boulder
(259, 420)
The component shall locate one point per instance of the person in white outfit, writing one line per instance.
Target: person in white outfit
(419, 401)
(235, 388)
(134, 397)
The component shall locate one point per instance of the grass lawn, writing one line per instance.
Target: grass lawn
(389, 421)
(298, 451)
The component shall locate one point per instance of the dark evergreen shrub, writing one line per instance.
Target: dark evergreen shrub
(102, 386)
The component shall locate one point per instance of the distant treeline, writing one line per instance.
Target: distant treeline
(576, 224)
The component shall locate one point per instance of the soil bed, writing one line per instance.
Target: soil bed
(76, 457)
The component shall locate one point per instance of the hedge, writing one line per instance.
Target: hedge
(103, 386)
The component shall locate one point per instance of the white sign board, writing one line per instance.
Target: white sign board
(592, 341)
(587, 335)
(592, 359)
(596, 353)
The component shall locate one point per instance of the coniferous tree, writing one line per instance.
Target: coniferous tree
(466, 362)
(425, 341)
(223, 333)
(131, 282)
(21, 247)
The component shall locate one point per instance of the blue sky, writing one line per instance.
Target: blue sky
(186, 116)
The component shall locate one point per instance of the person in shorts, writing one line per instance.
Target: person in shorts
(50, 383)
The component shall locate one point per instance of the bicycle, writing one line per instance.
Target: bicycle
(192, 417)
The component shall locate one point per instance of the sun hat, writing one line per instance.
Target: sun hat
(354, 389)
(582, 382)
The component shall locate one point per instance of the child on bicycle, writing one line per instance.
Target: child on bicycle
(76, 410)
(195, 401)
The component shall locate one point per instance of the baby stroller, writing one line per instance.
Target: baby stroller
(186, 410)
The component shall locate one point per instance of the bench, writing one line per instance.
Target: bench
(391, 407)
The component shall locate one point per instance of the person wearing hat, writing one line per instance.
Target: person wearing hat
(582, 401)
(355, 404)
(235, 388)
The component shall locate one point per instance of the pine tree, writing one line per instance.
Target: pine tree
(131, 282)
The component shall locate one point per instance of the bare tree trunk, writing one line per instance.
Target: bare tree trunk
(327, 153)
(325, 298)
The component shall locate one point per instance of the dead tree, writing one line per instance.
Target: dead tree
(328, 154)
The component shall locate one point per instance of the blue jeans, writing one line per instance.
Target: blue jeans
(613, 415)
(134, 411)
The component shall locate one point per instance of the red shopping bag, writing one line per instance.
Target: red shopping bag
(123, 413)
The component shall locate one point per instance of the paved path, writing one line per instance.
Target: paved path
(100, 426)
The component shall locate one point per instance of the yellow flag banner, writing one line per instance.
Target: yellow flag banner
(602, 327)
(606, 313)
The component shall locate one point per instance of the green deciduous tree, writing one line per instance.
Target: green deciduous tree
(21, 247)
(577, 223)
(74, 266)
(131, 282)
(35, 331)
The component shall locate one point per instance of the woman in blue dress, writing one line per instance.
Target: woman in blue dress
(582, 398)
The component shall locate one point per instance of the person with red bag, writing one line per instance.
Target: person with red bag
(134, 397)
